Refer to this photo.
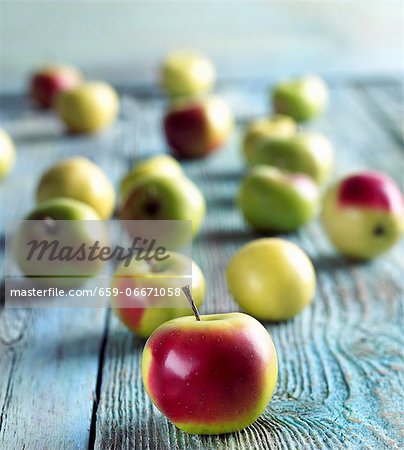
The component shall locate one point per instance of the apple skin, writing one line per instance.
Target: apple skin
(271, 279)
(363, 214)
(88, 108)
(157, 164)
(211, 376)
(198, 127)
(80, 179)
(162, 197)
(83, 229)
(49, 81)
(271, 200)
(309, 153)
(7, 154)
(187, 73)
(262, 129)
(138, 317)
(303, 99)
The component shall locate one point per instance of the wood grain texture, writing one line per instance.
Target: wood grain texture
(49, 358)
(341, 367)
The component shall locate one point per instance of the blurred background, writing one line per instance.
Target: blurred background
(124, 41)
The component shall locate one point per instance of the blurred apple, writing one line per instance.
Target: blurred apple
(164, 279)
(88, 108)
(303, 98)
(187, 73)
(157, 164)
(260, 130)
(80, 179)
(271, 279)
(272, 200)
(7, 154)
(49, 81)
(69, 224)
(363, 214)
(162, 197)
(304, 152)
(198, 127)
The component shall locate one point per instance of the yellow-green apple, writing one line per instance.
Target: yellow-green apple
(49, 81)
(187, 73)
(262, 129)
(363, 214)
(7, 154)
(303, 98)
(210, 374)
(271, 279)
(309, 153)
(48, 248)
(197, 127)
(157, 164)
(153, 288)
(88, 108)
(163, 197)
(80, 179)
(272, 200)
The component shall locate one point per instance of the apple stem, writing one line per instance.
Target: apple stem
(188, 295)
(50, 224)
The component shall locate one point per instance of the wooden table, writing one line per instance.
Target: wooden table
(70, 378)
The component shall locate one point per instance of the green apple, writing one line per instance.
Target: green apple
(7, 154)
(163, 197)
(198, 127)
(163, 279)
(89, 107)
(272, 200)
(303, 98)
(80, 179)
(271, 279)
(309, 153)
(187, 73)
(262, 129)
(49, 81)
(210, 374)
(363, 214)
(157, 164)
(58, 223)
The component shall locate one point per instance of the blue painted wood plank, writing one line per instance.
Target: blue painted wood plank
(340, 360)
(341, 364)
(49, 358)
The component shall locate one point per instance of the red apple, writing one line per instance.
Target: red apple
(212, 375)
(198, 127)
(363, 214)
(49, 81)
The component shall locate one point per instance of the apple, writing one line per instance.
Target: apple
(210, 374)
(88, 108)
(187, 73)
(272, 200)
(163, 197)
(195, 128)
(7, 154)
(262, 129)
(143, 314)
(80, 179)
(49, 81)
(363, 214)
(309, 153)
(271, 279)
(157, 164)
(303, 98)
(61, 222)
